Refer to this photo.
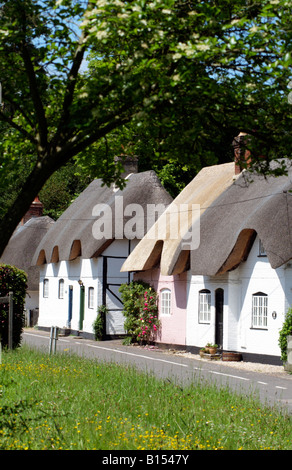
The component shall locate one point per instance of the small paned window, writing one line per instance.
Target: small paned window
(165, 302)
(262, 251)
(46, 288)
(90, 297)
(61, 289)
(259, 310)
(204, 306)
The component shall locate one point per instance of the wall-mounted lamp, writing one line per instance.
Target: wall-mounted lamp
(80, 282)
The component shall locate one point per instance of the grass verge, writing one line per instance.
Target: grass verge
(71, 403)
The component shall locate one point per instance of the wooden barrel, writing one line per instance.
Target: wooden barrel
(231, 356)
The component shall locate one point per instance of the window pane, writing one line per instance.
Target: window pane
(165, 302)
(204, 306)
(259, 310)
(91, 297)
(46, 288)
(61, 289)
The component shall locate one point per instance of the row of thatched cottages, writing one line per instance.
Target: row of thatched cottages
(219, 256)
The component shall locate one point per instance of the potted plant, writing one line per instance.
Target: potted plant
(213, 348)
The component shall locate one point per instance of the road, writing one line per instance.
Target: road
(272, 389)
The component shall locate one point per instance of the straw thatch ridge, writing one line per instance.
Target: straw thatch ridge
(72, 234)
(22, 245)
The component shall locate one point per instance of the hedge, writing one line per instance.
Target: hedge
(13, 280)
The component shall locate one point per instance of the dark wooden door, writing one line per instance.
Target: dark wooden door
(219, 307)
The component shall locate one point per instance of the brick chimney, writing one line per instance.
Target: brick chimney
(130, 164)
(35, 210)
(241, 153)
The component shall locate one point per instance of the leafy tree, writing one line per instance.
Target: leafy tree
(197, 72)
(61, 189)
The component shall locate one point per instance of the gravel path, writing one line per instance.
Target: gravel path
(252, 366)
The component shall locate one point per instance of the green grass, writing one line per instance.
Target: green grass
(67, 402)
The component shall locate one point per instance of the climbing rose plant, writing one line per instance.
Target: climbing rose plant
(148, 322)
(140, 311)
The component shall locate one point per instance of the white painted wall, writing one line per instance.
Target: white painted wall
(253, 275)
(53, 311)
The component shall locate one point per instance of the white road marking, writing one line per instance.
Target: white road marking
(228, 375)
(152, 359)
(137, 355)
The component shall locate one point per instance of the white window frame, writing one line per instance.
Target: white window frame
(259, 317)
(46, 288)
(204, 306)
(165, 302)
(262, 251)
(90, 297)
(61, 289)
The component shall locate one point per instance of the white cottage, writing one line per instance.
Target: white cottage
(81, 257)
(238, 282)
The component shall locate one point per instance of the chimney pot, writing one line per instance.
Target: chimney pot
(35, 210)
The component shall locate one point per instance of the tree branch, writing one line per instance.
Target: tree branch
(71, 84)
(20, 129)
(38, 105)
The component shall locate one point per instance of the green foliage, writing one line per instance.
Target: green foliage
(99, 323)
(13, 280)
(284, 332)
(61, 189)
(191, 75)
(141, 311)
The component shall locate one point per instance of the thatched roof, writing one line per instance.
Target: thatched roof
(22, 245)
(72, 234)
(253, 205)
(236, 210)
(164, 247)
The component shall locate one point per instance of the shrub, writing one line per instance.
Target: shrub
(141, 311)
(13, 280)
(99, 323)
(284, 332)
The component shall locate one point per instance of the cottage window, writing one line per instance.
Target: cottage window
(204, 306)
(259, 310)
(90, 297)
(262, 251)
(61, 289)
(46, 288)
(165, 299)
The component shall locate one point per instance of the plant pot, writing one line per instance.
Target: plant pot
(212, 350)
(231, 356)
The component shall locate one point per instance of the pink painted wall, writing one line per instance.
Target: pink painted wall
(173, 327)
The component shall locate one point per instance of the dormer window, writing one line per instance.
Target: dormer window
(262, 251)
